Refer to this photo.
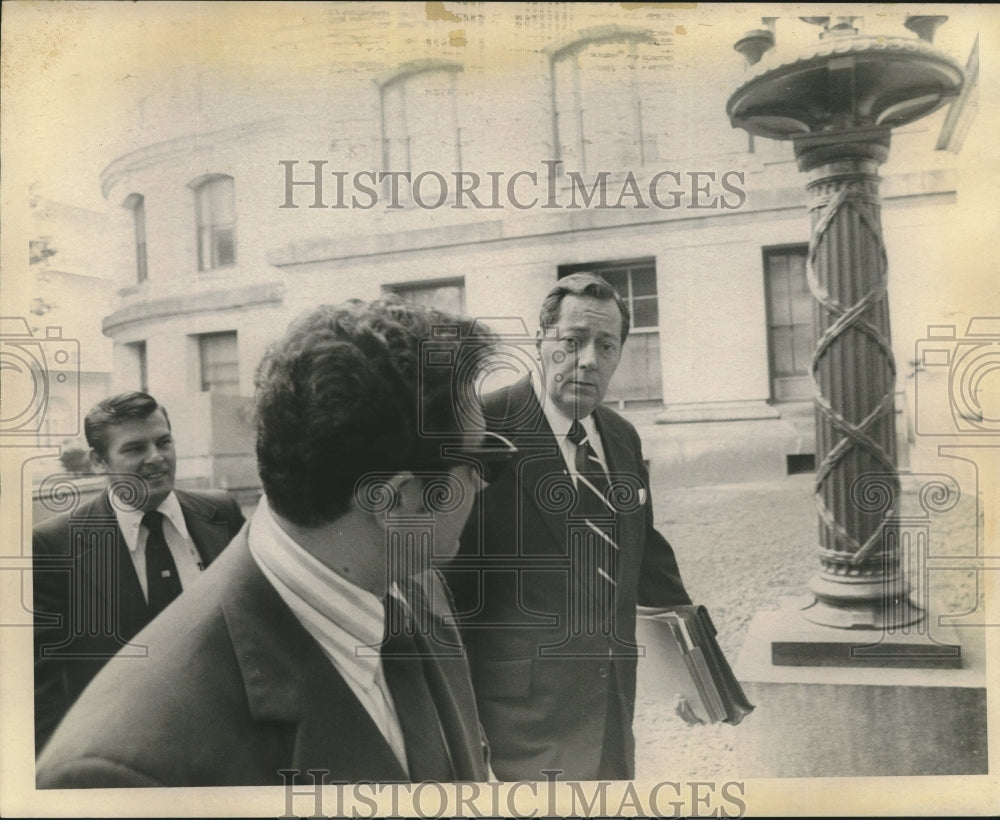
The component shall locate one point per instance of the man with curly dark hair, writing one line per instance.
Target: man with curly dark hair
(320, 645)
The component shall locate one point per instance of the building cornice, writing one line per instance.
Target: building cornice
(181, 148)
(217, 301)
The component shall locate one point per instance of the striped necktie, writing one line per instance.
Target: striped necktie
(593, 504)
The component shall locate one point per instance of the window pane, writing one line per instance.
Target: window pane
(204, 249)
(781, 313)
(203, 206)
(219, 362)
(216, 215)
(225, 252)
(645, 312)
(223, 212)
(445, 296)
(643, 282)
(784, 358)
(790, 307)
(800, 295)
(802, 342)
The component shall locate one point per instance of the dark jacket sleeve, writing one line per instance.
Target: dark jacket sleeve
(660, 581)
(50, 588)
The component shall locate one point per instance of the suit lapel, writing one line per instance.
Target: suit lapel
(288, 679)
(449, 680)
(621, 461)
(539, 464)
(207, 529)
(132, 611)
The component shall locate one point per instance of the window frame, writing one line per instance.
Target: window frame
(212, 223)
(208, 385)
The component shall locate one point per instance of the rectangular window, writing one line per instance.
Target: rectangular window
(420, 125)
(215, 207)
(219, 356)
(789, 322)
(446, 294)
(635, 281)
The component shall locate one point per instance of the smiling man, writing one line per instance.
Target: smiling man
(104, 571)
(559, 554)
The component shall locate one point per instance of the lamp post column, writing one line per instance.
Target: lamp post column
(859, 583)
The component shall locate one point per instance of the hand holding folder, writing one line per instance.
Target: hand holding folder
(685, 665)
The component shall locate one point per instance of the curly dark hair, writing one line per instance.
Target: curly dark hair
(347, 392)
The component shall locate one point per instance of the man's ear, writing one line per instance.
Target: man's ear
(97, 462)
(398, 494)
(409, 493)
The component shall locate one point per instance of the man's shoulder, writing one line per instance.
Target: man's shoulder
(189, 676)
(59, 524)
(206, 500)
(611, 419)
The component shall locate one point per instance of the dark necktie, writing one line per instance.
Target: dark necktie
(592, 504)
(403, 663)
(162, 581)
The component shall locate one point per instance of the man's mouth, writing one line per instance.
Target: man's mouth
(155, 476)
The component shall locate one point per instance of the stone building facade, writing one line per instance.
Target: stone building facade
(470, 157)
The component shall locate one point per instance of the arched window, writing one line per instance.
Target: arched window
(420, 129)
(598, 85)
(215, 215)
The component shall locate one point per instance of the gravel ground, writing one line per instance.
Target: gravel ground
(742, 548)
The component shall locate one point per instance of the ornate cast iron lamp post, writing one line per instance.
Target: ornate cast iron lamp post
(837, 101)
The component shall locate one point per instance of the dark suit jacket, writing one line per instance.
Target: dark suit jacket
(234, 691)
(81, 563)
(543, 679)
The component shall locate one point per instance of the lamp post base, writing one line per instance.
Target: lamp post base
(825, 712)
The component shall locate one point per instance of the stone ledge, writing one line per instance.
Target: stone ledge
(717, 411)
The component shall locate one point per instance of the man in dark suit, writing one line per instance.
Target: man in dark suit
(321, 640)
(92, 566)
(560, 552)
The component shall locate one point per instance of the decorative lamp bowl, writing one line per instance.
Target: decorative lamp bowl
(845, 83)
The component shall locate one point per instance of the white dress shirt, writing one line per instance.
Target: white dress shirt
(347, 621)
(175, 532)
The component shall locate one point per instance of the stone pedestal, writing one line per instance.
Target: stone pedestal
(858, 721)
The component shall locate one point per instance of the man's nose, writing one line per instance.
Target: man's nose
(586, 355)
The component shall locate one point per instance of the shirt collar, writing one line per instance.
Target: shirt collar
(346, 620)
(130, 520)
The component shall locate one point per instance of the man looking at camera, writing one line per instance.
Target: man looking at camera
(321, 640)
(553, 563)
